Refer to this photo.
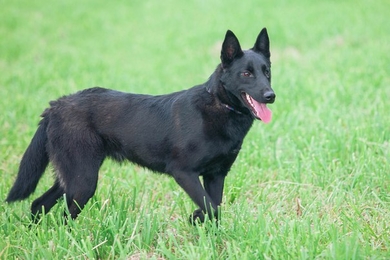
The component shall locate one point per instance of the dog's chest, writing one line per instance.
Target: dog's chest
(218, 158)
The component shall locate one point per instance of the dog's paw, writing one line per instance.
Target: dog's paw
(197, 217)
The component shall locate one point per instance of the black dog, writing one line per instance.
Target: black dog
(187, 134)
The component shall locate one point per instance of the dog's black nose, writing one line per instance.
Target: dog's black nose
(269, 96)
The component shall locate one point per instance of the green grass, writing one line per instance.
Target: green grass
(312, 184)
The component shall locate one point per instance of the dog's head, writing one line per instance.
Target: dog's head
(246, 75)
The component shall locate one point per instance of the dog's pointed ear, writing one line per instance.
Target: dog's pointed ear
(231, 49)
(262, 43)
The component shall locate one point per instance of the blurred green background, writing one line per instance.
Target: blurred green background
(326, 148)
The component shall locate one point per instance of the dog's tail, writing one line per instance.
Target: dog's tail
(32, 166)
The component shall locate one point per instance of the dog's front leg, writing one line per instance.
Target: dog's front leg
(191, 184)
(214, 188)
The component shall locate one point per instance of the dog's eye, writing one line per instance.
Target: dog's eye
(246, 74)
(267, 73)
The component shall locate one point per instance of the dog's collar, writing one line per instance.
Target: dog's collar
(231, 108)
(226, 105)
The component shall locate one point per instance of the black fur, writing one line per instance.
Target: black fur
(187, 134)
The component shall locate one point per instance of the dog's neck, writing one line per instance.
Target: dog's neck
(223, 104)
(216, 88)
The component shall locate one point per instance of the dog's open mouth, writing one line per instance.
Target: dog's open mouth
(259, 110)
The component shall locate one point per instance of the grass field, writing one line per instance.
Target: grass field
(312, 184)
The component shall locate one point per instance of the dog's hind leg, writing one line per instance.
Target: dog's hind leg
(77, 159)
(47, 200)
(81, 184)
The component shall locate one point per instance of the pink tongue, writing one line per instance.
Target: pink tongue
(262, 111)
